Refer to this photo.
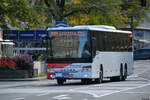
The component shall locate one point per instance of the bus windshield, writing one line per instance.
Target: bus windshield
(69, 44)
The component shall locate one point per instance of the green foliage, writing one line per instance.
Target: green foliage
(40, 75)
(134, 9)
(108, 12)
(38, 14)
(14, 12)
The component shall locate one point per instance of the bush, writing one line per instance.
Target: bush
(24, 62)
(7, 64)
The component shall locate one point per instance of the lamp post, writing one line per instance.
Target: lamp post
(132, 30)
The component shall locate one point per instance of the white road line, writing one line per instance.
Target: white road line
(19, 99)
(144, 78)
(122, 90)
(43, 94)
(61, 97)
(137, 92)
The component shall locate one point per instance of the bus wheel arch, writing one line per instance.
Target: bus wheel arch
(100, 78)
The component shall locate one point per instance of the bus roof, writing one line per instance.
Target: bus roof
(104, 28)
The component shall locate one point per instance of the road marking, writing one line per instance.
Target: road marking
(61, 97)
(137, 92)
(96, 90)
(19, 99)
(122, 90)
(144, 78)
(43, 94)
(103, 91)
(136, 75)
(22, 90)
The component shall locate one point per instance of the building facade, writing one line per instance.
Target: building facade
(29, 42)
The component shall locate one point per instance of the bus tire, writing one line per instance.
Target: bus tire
(120, 78)
(83, 81)
(125, 73)
(60, 81)
(101, 74)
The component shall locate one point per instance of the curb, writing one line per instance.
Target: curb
(25, 79)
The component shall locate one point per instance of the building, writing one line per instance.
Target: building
(30, 42)
(142, 37)
(6, 47)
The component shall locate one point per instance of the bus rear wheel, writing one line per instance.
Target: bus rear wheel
(125, 74)
(120, 78)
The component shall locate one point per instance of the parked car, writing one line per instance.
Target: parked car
(140, 54)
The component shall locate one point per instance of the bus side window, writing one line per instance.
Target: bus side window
(93, 46)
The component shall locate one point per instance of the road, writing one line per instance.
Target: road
(136, 87)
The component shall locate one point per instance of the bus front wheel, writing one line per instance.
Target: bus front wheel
(60, 81)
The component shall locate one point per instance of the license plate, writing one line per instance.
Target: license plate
(58, 74)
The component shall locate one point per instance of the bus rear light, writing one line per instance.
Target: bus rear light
(130, 35)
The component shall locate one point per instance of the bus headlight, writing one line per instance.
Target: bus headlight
(87, 67)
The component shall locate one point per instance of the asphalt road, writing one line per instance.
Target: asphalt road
(136, 87)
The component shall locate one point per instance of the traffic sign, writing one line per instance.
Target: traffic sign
(61, 24)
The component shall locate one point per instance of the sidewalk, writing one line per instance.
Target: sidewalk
(26, 79)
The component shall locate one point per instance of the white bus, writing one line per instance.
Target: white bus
(89, 53)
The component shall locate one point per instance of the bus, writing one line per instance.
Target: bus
(89, 53)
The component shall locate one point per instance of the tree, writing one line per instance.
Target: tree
(110, 12)
(14, 12)
(56, 8)
(38, 13)
(134, 10)
(106, 12)
(43, 16)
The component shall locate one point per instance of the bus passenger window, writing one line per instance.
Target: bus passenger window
(93, 46)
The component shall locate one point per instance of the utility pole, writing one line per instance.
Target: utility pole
(132, 30)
